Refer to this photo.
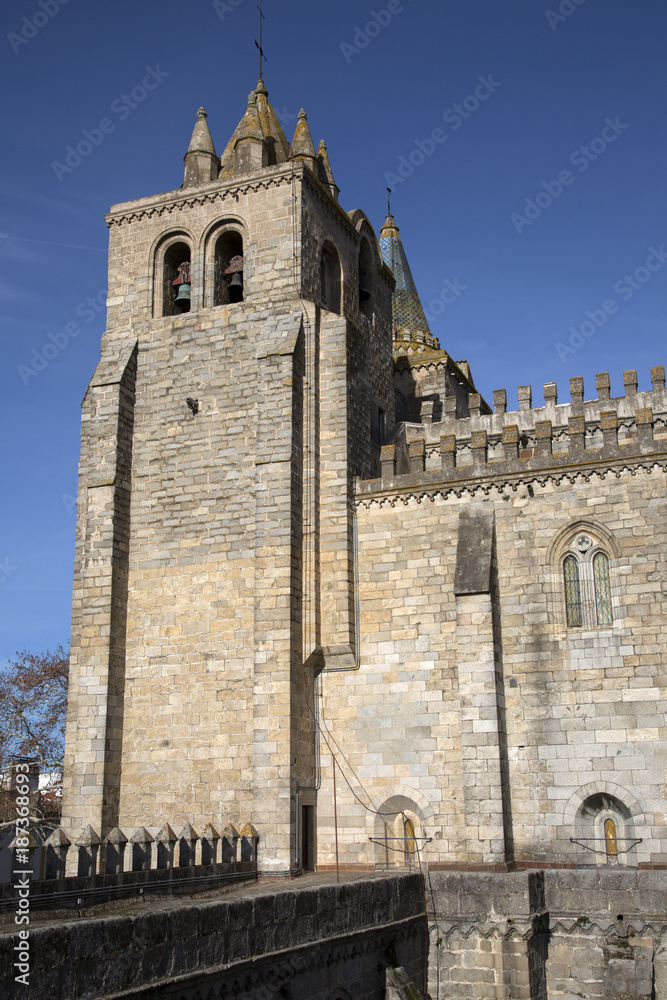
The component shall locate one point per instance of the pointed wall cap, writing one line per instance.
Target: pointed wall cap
(302, 142)
(32, 842)
(188, 833)
(201, 141)
(58, 839)
(142, 836)
(115, 836)
(88, 838)
(231, 833)
(166, 835)
(249, 832)
(210, 833)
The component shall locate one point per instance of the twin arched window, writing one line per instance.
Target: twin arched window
(224, 274)
(587, 584)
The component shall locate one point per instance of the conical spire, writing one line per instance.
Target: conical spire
(302, 146)
(201, 141)
(250, 126)
(259, 122)
(409, 321)
(201, 161)
(325, 172)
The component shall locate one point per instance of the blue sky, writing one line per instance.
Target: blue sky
(562, 100)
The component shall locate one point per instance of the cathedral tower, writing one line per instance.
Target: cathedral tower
(244, 382)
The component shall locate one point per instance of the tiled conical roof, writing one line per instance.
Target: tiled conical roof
(409, 321)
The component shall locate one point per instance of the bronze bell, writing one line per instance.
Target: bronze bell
(182, 300)
(236, 288)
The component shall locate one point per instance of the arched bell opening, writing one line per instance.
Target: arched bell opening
(176, 287)
(228, 273)
(330, 278)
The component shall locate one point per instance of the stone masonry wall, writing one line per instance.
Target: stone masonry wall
(584, 707)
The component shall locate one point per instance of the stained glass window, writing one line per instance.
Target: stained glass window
(602, 589)
(572, 591)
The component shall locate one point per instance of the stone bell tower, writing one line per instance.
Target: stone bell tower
(244, 382)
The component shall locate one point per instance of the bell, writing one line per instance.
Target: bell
(236, 288)
(182, 300)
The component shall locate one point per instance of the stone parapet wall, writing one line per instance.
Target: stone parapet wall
(307, 940)
(529, 441)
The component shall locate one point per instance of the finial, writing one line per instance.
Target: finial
(388, 201)
(322, 148)
(259, 43)
(202, 113)
(302, 117)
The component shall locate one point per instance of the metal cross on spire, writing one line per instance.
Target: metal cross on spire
(259, 43)
(388, 201)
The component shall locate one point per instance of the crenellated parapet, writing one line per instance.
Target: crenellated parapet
(553, 441)
(122, 863)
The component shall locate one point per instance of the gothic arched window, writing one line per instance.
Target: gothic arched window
(586, 582)
(330, 278)
(366, 296)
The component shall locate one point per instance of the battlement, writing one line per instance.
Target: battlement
(528, 440)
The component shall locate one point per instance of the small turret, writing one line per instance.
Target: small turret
(325, 172)
(258, 140)
(201, 161)
(250, 147)
(302, 147)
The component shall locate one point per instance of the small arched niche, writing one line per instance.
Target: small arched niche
(366, 283)
(605, 829)
(398, 833)
(228, 269)
(176, 288)
(330, 278)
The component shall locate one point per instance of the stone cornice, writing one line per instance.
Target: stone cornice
(431, 485)
(171, 201)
